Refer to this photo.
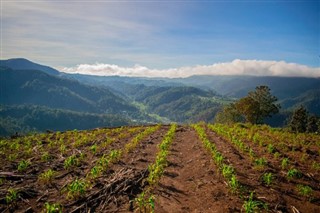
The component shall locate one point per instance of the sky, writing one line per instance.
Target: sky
(165, 38)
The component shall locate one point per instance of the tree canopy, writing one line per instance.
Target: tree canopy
(253, 108)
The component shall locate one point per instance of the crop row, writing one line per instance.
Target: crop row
(234, 134)
(75, 187)
(145, 201)
(227, 171)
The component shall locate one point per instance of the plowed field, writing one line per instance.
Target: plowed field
(147, 168)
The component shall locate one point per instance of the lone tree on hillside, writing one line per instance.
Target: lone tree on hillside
(258, 105)
(298, 121)
(254, 107)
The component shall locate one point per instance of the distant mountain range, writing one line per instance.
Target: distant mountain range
(35, 97)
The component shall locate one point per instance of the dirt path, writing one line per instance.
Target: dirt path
(191, 182)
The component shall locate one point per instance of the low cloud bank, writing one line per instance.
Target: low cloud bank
(236, 67)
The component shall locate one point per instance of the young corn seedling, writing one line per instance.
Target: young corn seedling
(284, 163)
(77, 189)
(11, 196)
(23, 165)
(93, 148)
(270, 148)
(305, 191)
(234, 184)
(47, 176)
(45, 157)
(267, 178)
(70, 161)
(252, 206)
(96, 171)
(227, 171)
(293, 173)
(53, 208)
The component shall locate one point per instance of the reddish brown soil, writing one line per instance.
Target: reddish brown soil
(191, 182)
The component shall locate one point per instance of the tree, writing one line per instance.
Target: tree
(312, 124)
(298, 121)
(228, 115)
(266, 102)
(249, 108)
(254, 107)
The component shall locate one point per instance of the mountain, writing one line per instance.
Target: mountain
(30, 118)
(24, 64)
(39, 88)
(37, 97)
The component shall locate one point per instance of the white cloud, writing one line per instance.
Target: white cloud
(236, 67)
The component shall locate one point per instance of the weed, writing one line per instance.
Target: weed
(53, 208)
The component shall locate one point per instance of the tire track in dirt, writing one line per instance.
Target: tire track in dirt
(191, 182)
(278, 197)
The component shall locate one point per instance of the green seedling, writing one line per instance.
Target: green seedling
(53, 208)
(252, 206)
(70, 161)
(227, 171)
(218, 158)
(294, 173)
(305, 191)
(96, 171)
(234, 184)
(284, 163)
(267, 178)
(11, 196)
(47, 176)
(23, 165)
(45, 157)
(93, 148)
(260, 162)
(77, 189)
(270, 148)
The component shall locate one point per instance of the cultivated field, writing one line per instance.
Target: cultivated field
(162, 168)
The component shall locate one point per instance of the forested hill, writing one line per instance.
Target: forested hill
(30, 87)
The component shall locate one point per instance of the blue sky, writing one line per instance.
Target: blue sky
(160, 34)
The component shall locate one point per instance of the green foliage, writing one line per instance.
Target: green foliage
(294, 173)
(76, 189)
(298, 120)
(305, 191)
(252, 206)
(23, 165)
(284, 163)
(47, 176)
(71, 161)
(53, 208)
(12, 196)
(267, 178)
